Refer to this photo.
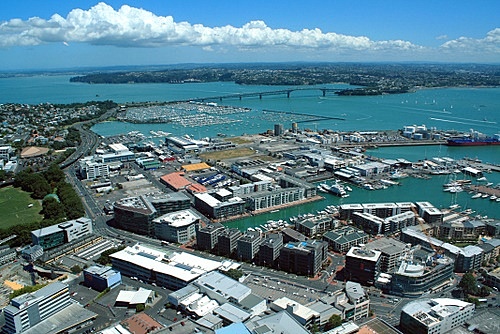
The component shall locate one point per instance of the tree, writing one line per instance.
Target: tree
(468, 283)
(234, 273)
(54, 174)
(104, 258)
(76, 269)
(52, 209)
(334, 321)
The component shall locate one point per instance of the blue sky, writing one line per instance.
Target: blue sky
(61, 34)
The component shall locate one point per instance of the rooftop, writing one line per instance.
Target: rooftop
(430, 311)
(178, 218)
(224, 285)
(363, 253)
(183, 266)
(280, 322)
(299, 310)
(176, 180)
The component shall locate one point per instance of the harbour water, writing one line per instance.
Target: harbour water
(446, 109)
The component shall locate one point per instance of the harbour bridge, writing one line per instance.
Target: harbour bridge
(240, 96)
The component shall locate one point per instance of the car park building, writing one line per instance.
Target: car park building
(435, 316)
(136, 214)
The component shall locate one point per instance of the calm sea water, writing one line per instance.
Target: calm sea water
(448, 108)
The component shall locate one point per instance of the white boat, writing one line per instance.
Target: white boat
(454, 206)
(324, 187)
(398, 175)
(485, 196)
(338, 190)
(477, 195)
(250, 229)
(368, 186)
(348, 188)
(482, 179)
(388, 182)
(493, 197)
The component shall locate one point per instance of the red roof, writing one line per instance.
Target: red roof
(175, 180)
(197, 188)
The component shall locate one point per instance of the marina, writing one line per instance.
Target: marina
(370, 114)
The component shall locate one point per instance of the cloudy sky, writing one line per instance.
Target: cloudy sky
(48, 34)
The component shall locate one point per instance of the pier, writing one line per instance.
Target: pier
(286, 92)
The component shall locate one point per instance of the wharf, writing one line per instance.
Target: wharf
(267, 210)
(483, 166)
(484, 190)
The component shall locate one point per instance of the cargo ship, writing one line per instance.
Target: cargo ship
(472, 142)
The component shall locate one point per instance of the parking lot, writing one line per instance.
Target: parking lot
(273, 288)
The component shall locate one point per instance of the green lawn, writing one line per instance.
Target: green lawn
(14, 208)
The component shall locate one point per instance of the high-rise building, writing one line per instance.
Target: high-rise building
(248, 245)
(270, 248)
(361, 265)
(30, 309)
(303, 258)
(228, 241)
(207, 237)
(278, 129)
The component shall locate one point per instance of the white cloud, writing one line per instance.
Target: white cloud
(441, 37)
(489, 44)
(133, 27)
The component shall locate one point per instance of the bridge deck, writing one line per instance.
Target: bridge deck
(286, 92)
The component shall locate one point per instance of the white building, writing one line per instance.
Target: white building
(92, 168)
(29, 309)
(435, 316)
(179, 227)
(306, 316)
(6, 152)
(172, 271)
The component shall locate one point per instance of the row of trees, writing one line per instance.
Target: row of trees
(60, 201)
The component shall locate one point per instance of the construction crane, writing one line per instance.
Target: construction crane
(437, 250)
